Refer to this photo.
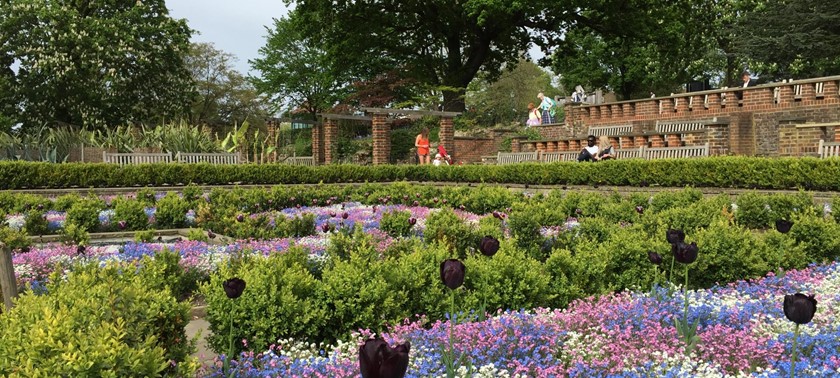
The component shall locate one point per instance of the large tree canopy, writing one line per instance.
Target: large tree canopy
(296, 71)
(792, 38)
(95, 62)
(441, 43)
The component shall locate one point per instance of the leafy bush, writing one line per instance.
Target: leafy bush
(145, 236)
(36, 223)
(85, 213)
(132, 212)
(198, 235)
(98, 322)
(396, 223)
(171, 211)
(73, 234)
(817, 236)
(281, 300)
(15, 240)
(445, 226)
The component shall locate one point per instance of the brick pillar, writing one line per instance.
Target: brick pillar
(317, 143)
(657, 141)
(514, 145)
(641, 141)
(381, 139)
(625, 141)
(540, 146)
(615, 142)
(330, 131)
(673, 140)
(563, 145)
(837, 133)
(447, 136)
(551, 147)
(574, 145)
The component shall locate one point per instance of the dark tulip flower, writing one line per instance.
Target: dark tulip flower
(640, 209)
(333, 214)
(292, 199)
(654, 258)
(329, 202)
(674, 236)
(210, 234)
(325, 227)
(415, 204)
(488, 245)
(122, 224)
(80, 249)
(25, 249)
(240, 217)
(314, 201)
(444, 201)
(462, 207)
(685, 253)
(405, 197)
(783, 225)
(800, 308)
(297, 206)
(578, 211)
(374, 208)
(234, 287)
(452, 273)
(417, 195)
(496, 215)
(40, 207)
(378, 360)
(435, 200)
(412, 221)
(345, 215)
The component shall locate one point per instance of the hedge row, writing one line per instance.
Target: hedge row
(726, 172)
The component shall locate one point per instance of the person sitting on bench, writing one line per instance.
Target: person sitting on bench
(590, 151)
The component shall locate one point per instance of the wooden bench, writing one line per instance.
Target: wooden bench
(515, 157)
(136, 158)
(630, 153)
(829, 149)
(300, 160)
(676, 152)
(553, 157)
(678, 127)
(212, 158)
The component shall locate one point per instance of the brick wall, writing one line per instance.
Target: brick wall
(470, 150)
(381, 139)
(768, 120)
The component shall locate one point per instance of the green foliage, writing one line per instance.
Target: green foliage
(145, 236)
(395, 223)
(505, 100)
(85, 213)
(72, 234)
(817, 236)
(120, 63)
(64, 202)
(15, 240)
(734, 171)
(727, 253)
(171, 211)
(446, 227)
(103, 322)
(281, 300)
(197, 234)
(164, 270)
(36, 223)
(132, 212)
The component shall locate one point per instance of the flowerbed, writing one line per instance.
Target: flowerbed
(742, 328)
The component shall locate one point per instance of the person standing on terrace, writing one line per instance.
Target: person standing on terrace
(534, 117)
(422, 144)
(548, 108)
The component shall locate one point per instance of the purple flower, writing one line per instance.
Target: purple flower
(488, 245)
(412, 221)
(378, 360)
(674, 236)
(640, 209)
(654, 258)
(234, 287)
(800, 308)
(452, 273)
(684, 253)
(783, 225)
(122, 224)
(240, 217)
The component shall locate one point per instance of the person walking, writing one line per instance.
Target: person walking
(548, 108)
(422, 144)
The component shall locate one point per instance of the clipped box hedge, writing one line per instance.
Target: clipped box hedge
(726, 172)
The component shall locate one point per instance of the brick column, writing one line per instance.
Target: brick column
(625, 141)
(641, 141)
(540, 146)
(614, 141)
(574, 145)
(317, 143)
(551, 147)
(447, 136)
(514, 145)
(381, 139)
(673, 140)
(330, 131)
(837, 133)
(657, 141)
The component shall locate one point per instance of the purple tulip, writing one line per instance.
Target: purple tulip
(684, 253)
(800, 308)
(40, 207)
(333, 214)
(234, 287)
(783, 225)
(640, 209)
(314, 201)
(674, 236)
(298, 206)
(405, 197)
(412, 221)
(329, 202)
(210, 234)
(578, 211)
(345, 215)
(374, 208)
(654, 258)
(325, 227)
(80, 249)
(496, 215)
(378, 360)
(240, 217)
(122, 224)
(415, 204)
(462, 207)
(417, 195)
(444, 201)
(488, 246)
(452, 273)
(435, 200)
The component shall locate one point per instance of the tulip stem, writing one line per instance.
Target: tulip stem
(685, 296)
(230, 346)
(793, 353)
(671, 272)
(450, 371)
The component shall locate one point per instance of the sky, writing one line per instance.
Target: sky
(235, 27)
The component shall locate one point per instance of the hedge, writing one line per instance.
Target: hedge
(725, 172)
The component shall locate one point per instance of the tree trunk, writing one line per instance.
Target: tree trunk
(453, 101)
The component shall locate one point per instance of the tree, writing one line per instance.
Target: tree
(633, 49)
(223, 96)
(441, 43)
(96, 62)
(792, 38)
(506, 99)
(294, 70)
